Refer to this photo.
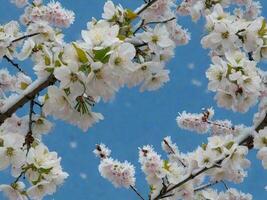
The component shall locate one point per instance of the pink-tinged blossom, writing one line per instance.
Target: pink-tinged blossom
(19, 3)
(52, 13)
(119, 174)
(193, 122)
(151, 164)
(101, 151)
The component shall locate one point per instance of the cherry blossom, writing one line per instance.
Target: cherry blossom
(131, 48)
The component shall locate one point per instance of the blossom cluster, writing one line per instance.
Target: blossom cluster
(222, 158)
(236, 44)
(230, 194)
(40, 167)
(203, 123)
(112, 53)
(120, 174)
(260, 143)
(236, 80)
(19, 3)
(8, 32)
(248, 9)
(117, 51)
(162, 10)
(53, 13)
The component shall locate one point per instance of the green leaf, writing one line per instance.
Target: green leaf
(204, 146)
(122, 37)
(47, 61)
(60, 56)
(130, 14)
(46, 97)
(85, 68)
(166, 165)
(218, 149)
(1, 142)
(263, 29)
(102, 55)
(152, 188)
(57, 63)
(229, 145)
(229, 69)
(81, 54)
(23, 85)
(49, 69)
(264, 141)
(45, 171)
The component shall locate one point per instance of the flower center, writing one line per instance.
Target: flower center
(155, 39)
(225, 35)
(9, 151)
(144, 68)
(98, 74)
(117, 61)
(73, 77)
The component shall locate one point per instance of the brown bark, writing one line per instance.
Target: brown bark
(26, 98)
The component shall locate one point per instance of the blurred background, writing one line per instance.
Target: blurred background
(134, 119)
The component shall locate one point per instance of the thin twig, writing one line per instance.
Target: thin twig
(146, 6)
(135, 190)
(203, 187)
(38, 104)
(29, 139)
(161, 22)
(224, 184)
(140, 45)
(24, 37)
(173, 152)
(139, 27)
(17, 179)
(168, 195)
(16, 65)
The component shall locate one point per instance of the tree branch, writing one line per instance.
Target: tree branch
(247, 141)
(135, 190)
(139, 27)
(14, 64)
(203, 187)
(32, 90)
(190, 177)
(23, 37)
(161, 22)
(173, 152)
(146, 6)
(29, 139)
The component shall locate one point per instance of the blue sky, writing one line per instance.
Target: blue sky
(134, 119)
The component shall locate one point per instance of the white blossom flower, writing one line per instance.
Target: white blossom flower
(71, 79)
(121, 59)
(119, 174)
(260, 139)
(11, 152)
(102, 151)
(100, 33)
(41, 125)
(262, 155)
(40, 190)
(155, 80)
(19, 3)
(14, 191)
(109, 10)
(26, 49)
(157, 38)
